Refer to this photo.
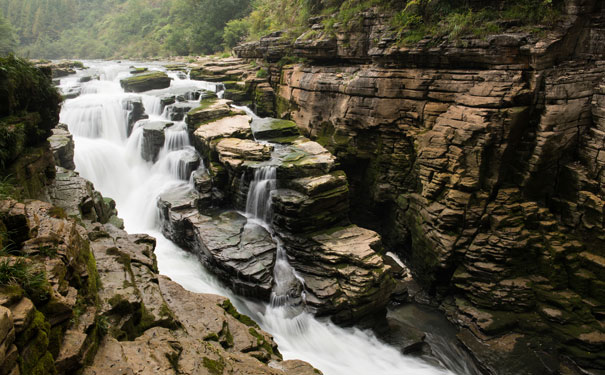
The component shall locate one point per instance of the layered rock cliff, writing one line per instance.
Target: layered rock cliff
(478, 161)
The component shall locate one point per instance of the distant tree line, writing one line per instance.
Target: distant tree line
(116, 28)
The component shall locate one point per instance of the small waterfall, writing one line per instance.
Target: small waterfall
(176, 137)
(153, 105)
(98, 116)
(258, 204)
(178, 164)
(287, 287)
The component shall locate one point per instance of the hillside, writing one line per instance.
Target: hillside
(119, 28)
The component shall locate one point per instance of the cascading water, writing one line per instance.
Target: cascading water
(287, 284)
(105, 156)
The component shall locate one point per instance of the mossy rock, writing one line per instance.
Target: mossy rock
(146, 82)
(231, 310)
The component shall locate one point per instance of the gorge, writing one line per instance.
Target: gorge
(116, 165)
(365, 198)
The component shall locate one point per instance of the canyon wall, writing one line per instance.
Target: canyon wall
(479, 161)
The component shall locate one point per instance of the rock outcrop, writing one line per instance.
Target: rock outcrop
(145, 82)
(311, 195)
(62, 146)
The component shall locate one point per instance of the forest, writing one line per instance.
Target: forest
(157, 28)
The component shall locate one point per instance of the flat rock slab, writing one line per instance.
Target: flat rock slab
(226, 127)
(305, 158)
(146, 82)
(269, 128)
(244, 148)
(210, 109)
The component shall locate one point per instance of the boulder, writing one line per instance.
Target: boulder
(76, 196)
(313, 203)
(304, 158)
(345, 276)
(210, 109)
(226, 127)
(146, 82)
(177, 111)
(153, 138)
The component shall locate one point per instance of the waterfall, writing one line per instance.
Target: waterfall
(176, 137)
(258, 204)
(107, 157)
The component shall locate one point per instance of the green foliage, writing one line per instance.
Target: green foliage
(8, 37)
(262, 73)
(120, 28)
(29, 108)
(19, 271)
(236, 31)
(451, 20)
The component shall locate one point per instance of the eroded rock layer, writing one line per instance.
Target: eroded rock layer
(480, 164)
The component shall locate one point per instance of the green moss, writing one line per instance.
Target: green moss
(230, 309)
(144, 77)
(56, 339)
(33, 344)
(211, 337)
(451, 20)
(214, 367)
(262, 73)
(44, 366)
(225, 336)
(264, 344)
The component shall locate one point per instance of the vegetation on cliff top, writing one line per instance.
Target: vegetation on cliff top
(149, 28)
(412, 20)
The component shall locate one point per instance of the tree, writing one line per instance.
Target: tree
(8, 38)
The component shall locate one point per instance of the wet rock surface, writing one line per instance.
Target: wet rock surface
(153, 138)
(145, 82)
(242, 254)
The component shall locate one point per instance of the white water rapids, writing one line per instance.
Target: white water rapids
(107, 157)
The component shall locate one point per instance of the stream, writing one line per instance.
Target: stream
(106, 155)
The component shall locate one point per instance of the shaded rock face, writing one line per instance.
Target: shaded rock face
(153, 138)
(62, 147)
(145, 82)
(241, 254)
(480, 165)
(136, 112)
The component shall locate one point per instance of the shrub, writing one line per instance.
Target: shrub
(19, 271)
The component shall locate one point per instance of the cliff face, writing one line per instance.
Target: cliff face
(480, 163)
